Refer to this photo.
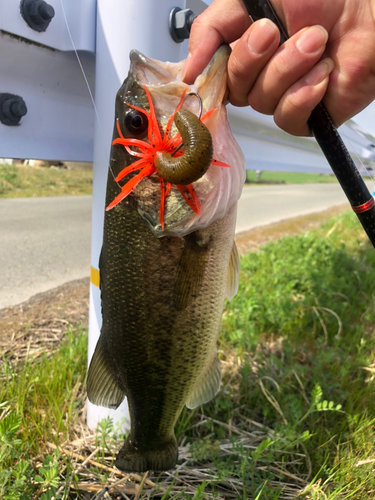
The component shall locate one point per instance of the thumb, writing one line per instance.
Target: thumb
(224, 21)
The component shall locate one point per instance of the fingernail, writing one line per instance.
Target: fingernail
(185, 67)
(312, 39)
(261, 36)
(320, 72)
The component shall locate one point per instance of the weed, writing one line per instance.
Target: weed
(42, 401)
(25, 181)
(18, 479)
(269, 177)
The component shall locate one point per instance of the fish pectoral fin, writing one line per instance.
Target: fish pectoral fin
(207, 387)
(191, 269)
(102, 387)
(233, 273)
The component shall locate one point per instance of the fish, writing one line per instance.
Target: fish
(168, 258)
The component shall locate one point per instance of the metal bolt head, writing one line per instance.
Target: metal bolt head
(40, 12)
(47, 12)
(37, 14)
(180, 22)
(12, 109)
(18, 108)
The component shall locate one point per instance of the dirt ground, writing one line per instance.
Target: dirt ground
(49, 314)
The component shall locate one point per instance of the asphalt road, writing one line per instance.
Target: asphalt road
(262, 205)
(45, 242)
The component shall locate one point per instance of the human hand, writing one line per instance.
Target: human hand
(329, 56)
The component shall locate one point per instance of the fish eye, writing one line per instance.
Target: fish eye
(136, 122)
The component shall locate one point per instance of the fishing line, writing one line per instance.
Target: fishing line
(101, 133)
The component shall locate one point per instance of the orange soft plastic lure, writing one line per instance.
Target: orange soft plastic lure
(147, 152)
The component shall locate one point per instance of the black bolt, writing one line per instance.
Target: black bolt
(37, 14)
(46, 11)
(180, 22)
(18, 108)
(40, 12)
(12, 109)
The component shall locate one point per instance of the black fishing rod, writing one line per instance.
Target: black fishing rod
(328, 138)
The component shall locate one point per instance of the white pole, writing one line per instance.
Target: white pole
(120, 27)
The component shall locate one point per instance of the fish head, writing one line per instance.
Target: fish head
(145, 104)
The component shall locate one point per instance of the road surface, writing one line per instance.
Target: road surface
(262, 205)
(45, 242)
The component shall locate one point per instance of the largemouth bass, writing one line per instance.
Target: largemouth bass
(168, 258)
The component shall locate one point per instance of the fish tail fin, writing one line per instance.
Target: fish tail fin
(136, 458)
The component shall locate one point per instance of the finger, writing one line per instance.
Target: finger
(295, 107)
(222, 22)
(292, 61)
(249, 56)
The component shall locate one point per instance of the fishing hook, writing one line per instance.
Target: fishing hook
(200, 103)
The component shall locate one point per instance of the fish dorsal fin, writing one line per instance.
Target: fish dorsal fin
(207, 386)
(102, 387)
(233, 273)
(191, 269)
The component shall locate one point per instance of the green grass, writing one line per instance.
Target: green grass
(40, 403)
(25, 181)
(305, 312)
(288, 178)
(297, 346)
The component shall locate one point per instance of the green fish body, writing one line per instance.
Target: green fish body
(162, 300)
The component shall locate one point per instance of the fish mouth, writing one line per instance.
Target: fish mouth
(183, 175)
(165, 77)
(152, 72)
